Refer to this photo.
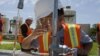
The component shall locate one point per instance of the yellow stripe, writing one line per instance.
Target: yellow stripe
(73, 35)
(76, 37)
(70, 34)
(45, 41)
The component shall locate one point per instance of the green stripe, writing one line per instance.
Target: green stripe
(69, 26)
(73, 35)
(76, 36)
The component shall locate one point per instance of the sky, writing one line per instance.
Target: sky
(87, 11)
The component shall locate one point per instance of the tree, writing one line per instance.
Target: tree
(93, 32)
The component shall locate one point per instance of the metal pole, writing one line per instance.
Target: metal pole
(55, 17)
(54, 21)
(16, 33)
(54, 43)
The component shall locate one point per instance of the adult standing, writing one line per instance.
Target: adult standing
(1, 25)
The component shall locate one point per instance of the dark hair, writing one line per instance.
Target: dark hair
(60, 12)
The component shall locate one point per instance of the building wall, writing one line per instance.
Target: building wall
(13, 26)
(85, 27)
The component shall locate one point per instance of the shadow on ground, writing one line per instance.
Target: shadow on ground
(5, 54)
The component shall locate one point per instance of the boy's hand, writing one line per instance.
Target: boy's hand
(38, 32)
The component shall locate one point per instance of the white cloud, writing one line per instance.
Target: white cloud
(75, 3)
(26, 1)
(80, 3)
(12, 12)
(8, 2)
(33, 1)
(12, 2)
(3, 2)
(8, 12)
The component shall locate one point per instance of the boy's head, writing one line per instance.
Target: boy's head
(29, 21)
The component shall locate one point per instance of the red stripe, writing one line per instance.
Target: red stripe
(78, 34)
(41, 47)
(67, 40)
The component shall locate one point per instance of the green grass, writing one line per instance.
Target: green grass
(9, 40)
(94, 51)
(9, 46)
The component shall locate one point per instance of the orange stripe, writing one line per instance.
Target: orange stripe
(0, 38)
(67, 40)
(41, 47)
(78, 34)
(20, 38)
(49, 40)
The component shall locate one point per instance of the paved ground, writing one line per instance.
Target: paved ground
(18, 53)
(11, 53)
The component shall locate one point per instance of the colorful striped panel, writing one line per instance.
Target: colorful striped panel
(45, 41)
(73, 35)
